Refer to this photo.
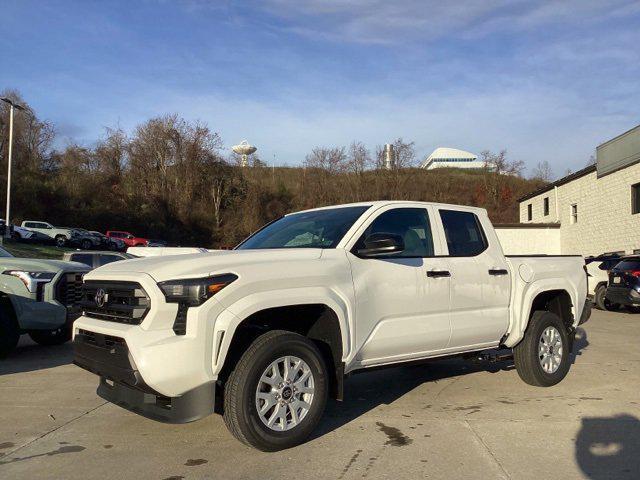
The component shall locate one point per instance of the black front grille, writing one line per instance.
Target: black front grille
(69, 290)
(122, 302)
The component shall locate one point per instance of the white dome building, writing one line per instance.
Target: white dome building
(452, 158)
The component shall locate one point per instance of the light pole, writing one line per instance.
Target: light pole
(7, 218)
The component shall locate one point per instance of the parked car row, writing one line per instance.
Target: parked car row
(116, 240)
(614, 281)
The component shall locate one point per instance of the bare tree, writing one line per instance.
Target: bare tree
(498, 163)
(542, 172)
(358, 157)
(331, 160)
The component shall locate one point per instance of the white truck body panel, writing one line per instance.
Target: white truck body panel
(389, 310)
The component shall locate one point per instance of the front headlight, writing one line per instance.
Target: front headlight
(31, 279)
(195, 291)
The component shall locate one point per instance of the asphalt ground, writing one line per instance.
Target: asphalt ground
(445, 419)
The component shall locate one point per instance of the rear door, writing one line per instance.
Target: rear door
(480, 283)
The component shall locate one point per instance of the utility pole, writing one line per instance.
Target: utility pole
(7, 218)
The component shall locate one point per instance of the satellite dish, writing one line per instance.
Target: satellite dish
(244, 149)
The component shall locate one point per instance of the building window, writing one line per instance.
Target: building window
(529, 212)
(546, 206)
(635, 198)
(574, 213)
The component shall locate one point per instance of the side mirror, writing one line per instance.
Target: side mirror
(381, 244)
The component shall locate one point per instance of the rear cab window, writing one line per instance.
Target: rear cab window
(463, 232)
(628, 265)
(103, 259)
(85, 258)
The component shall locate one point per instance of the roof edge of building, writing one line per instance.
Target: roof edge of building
(572, 176)
(526, 225)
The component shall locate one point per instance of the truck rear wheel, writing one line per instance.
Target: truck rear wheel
(542, 357)
(57, 336)
(9, 333)
(276, 395)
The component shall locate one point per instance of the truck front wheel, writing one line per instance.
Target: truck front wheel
(57, 336)
(542, 357)
(276, 395)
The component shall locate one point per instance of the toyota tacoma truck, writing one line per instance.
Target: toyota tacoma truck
(38, 297)
(60, 235)
(265, 333)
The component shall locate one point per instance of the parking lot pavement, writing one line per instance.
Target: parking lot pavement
(447, 419)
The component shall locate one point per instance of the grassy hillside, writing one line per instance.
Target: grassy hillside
(27, 250)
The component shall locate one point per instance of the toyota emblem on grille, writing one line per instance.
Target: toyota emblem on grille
(101, 297)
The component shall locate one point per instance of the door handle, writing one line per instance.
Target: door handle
(498, 271)
(438, 273)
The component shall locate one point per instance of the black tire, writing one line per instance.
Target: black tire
(16, 236)
(633, 308)
(61, 241)
(48, 338)
(240, 411)
(86, 244)
(527, 357)
(9, 332)
(601, 300)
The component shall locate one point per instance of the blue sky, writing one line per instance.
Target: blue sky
(546, 80)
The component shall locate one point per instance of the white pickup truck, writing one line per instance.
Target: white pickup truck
(265, 333)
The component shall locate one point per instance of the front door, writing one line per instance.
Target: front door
(400, 312)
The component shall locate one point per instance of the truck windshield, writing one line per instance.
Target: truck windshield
(315, 229)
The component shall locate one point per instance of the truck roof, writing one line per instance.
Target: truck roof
(382, 203)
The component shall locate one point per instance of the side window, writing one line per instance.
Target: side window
(29, 225)
(104, 259)
(412, 224)
(83, 258)
(463, 232)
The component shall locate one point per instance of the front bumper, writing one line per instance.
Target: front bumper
(622, 296)
(122, 384)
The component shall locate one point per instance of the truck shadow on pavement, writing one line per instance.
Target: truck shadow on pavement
(609, 447)
(30, 356)
(371, 389)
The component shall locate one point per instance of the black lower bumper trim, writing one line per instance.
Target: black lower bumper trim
(192, 405)
(621, 296)
(122, 384)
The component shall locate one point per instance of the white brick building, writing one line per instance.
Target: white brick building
(597, 208)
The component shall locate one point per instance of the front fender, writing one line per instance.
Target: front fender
(229, 320)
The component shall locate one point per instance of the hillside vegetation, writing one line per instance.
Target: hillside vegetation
(169, 179)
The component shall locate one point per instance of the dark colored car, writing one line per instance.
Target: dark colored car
(96, 259)
(624, 284)
(156, 243)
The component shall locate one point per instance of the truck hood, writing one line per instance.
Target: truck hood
(41, 265)
(203, 264)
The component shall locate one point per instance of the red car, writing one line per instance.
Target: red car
(129, 239)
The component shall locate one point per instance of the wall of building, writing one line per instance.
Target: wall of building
(529, 241)
(605, 222)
